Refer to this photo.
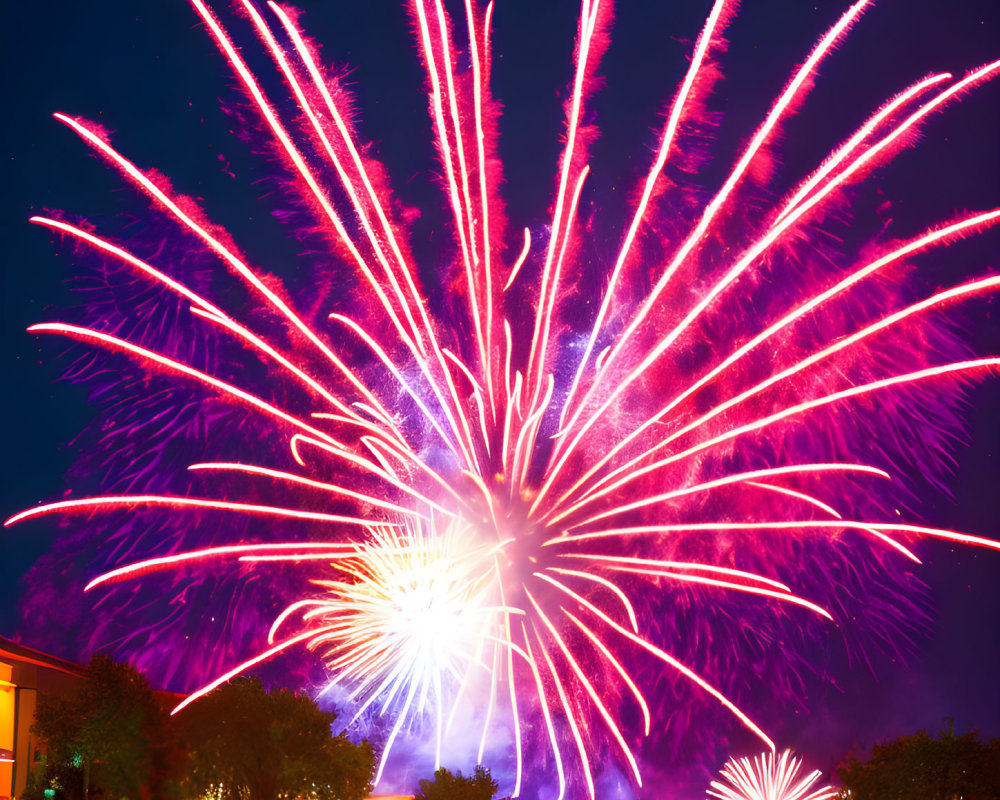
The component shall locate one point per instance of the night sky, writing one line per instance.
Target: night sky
(145, 71)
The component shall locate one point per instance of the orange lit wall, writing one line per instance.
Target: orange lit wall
(6, 727)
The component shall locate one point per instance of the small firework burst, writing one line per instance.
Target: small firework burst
(768, 777)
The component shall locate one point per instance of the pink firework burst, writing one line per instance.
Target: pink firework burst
(520, 481)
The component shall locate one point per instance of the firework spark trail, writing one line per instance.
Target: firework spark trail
(681, 103)
(502, 529)
(775, 115)
(739, 268)
(915, 245)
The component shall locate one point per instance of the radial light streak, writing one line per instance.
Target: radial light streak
(521, 476)
(696, 235)
(136, 500)
(239, 550)
(932, 237)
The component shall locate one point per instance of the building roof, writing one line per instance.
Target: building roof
(18, 652)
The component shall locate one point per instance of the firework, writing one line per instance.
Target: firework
(768, 777)
(519, 515)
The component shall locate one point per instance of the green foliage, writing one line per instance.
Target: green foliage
(40, 779)
(446, 786)
(110, 735)
(249, 744)
(110, 739)
(918, 767)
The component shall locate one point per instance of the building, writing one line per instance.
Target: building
(23, 674)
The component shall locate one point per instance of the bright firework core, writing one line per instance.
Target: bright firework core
(409, 626)
(413, 609)
(543, 501)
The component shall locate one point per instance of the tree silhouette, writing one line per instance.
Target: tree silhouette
(447, 786)
(250, 744)
(919, 767)
(110, 736)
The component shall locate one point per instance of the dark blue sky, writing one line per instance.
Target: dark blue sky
(147, 72)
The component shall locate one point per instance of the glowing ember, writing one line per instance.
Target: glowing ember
(511, 491)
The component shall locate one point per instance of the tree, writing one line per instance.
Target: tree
(919, 767)
(110, 735)
(446, 786)
(246, 743)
